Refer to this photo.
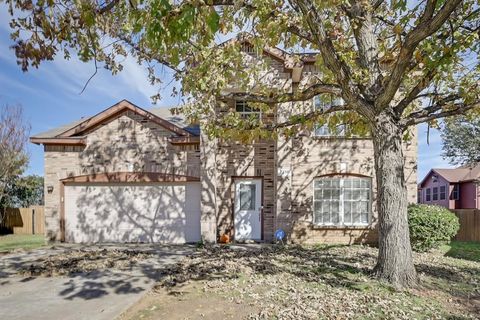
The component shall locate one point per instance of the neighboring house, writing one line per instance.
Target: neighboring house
(131, 174)
(452, 188)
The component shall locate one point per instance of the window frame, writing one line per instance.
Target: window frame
(341, 223)
(444, 193)
(434, 193)
(246, 114)
(456, 192)
(325, 106)
(428, 194)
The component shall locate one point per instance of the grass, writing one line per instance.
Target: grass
(321, 282)
(462, 250)
(17, 241)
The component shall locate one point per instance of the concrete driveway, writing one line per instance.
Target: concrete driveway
(95, 295)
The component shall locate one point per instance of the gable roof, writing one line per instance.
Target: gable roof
(456, 175)
(72, 133)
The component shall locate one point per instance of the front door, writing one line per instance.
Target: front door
(248, 217)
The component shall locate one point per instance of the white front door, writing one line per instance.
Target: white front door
(248, 201)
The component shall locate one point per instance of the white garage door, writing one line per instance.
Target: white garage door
(153, 212)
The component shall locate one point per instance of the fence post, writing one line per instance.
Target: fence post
(33, 221)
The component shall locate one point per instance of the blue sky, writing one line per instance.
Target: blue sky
(50, 97)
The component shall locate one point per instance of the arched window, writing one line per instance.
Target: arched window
(342, 201)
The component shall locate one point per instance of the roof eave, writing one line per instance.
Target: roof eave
(73, 141)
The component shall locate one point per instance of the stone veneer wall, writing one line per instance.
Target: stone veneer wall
(128, 143)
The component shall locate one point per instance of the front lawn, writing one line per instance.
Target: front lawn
(463, 250)
(323, 282)
(17, 241)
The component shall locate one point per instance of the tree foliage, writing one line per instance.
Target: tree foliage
(23, 192)
(461, 140)
(13, 139)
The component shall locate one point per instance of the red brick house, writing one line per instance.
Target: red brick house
(452, 188)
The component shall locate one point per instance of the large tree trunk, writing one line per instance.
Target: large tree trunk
(395, 263)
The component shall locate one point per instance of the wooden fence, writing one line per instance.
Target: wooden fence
(469, 225)
(24, 220)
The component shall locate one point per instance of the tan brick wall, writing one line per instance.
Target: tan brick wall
(308, 157)
(127, 143)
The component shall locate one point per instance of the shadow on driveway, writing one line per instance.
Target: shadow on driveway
(28, 290)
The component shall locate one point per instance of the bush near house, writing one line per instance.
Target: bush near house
(431, 226)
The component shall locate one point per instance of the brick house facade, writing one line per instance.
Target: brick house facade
(315, 188)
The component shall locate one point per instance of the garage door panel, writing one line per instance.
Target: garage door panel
(133, 213)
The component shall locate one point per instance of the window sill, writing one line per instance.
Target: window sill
(339, 138)
(340, 227)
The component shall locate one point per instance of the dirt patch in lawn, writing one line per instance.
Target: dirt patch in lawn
(328, 282)
(81, 261)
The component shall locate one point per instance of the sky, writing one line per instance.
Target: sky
(50, 97)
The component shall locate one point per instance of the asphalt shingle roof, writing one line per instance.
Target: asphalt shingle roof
(164, 113)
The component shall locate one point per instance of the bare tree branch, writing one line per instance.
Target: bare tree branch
(452, 110)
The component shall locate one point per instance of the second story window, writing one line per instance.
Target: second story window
(324, 103)
(246, 111)
(428, 194)
(456, 192)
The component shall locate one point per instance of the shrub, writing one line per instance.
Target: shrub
(431, 226)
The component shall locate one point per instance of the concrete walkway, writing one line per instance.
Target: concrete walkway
(94, 296)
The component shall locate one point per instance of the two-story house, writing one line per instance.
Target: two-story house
(130, 174)
(457, 188)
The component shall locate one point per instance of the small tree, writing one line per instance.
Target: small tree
(22, 192)
(14, 133)
(461, 140)
(384, 58)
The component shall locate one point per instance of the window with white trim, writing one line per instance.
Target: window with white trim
(246, 111)
(443, 192)
(323, 103)
(456, 192)
(342, 201)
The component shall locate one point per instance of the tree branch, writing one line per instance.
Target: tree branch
(330, 57)
(360, 17)
(428, 24)
(455, 109)
(109, 6)
(314, 114)
(302, 95)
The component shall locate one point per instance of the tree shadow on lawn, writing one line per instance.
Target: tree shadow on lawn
(460, 282)
(320, 264)
(348, 267)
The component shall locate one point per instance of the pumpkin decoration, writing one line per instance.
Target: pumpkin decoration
(224, 238)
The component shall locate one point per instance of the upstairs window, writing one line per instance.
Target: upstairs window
(324, 103)
(246, 111)
(443, 193)
(428, 195)
(342, 201)
(456, 192)
(435, 194)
